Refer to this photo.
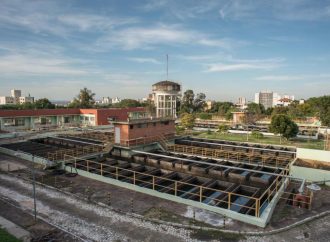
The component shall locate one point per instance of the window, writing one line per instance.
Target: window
(131, 126)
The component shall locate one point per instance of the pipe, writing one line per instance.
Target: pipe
(240, 146)
(213, 164)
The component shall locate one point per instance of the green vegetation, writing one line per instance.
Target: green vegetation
(85, 99)
(274, 140)
(283, 125)
(257, 135)
(223, 128)
(205, 116)
(224, 109)
(187, 120)
(5, 236)
(192, 103)
(42, 103)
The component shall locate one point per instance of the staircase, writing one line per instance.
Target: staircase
(108, 147)
(163, 142)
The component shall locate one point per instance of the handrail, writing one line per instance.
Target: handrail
(157, 179)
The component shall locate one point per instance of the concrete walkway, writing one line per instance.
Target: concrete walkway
(14, 230)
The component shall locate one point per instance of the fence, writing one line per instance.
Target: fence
(238, 156)
(254, 204)
(146, 140)
(78, 151)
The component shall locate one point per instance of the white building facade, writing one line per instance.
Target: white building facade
(272, 99)
(165, 95)
(16, 98)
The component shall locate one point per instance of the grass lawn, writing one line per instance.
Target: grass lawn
(5, 236)
(275, 140)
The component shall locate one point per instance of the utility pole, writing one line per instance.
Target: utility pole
(34, 189)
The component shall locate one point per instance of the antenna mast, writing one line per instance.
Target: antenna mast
(167, 66)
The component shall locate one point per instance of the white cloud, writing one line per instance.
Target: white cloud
(148, 37)
(182, 10)
(281, 9)
(139, 37)
(144, 60)
(94, 22)
(220, 67)
(278, 78)
(245, 64)
(25, 64)
(294, 77)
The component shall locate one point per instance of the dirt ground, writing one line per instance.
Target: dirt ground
(123, 200)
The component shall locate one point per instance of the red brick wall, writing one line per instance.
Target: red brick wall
(101, 115)
(150, 131)
(38, 112)
(121, 114)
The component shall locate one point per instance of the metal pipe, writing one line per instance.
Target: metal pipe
(83, 142)
(239, 146)
(214, 164)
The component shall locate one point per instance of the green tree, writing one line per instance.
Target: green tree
(257, 135)
(44, 103)
(205, 116)
(222, 108)
(321, 108)
(188, 120)
(85, 99)
(223, 128)
(187, 103)
(255, 108)
(128, 103)
(281, 124)
(199, 102)
(150, 107)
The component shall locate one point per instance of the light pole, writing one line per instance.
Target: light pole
(18, 154)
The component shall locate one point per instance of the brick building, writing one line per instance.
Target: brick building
(143, 131)
(13, 120)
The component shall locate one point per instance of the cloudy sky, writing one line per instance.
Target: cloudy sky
(224, 48)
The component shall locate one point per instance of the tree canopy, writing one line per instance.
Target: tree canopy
(128, 103)
(44, 103)
(283, 125)
(85, 99)
(192, 103)
(188, 120)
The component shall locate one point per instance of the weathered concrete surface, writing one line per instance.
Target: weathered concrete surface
(14, 229)
(90, 221)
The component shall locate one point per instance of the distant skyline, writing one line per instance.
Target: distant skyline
(225, 49)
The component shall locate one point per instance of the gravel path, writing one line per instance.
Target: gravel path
(89, 221)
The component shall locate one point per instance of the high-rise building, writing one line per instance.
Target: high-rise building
(15, 93)
(271, 99)
(265, 98)
(241, 104)
(16, 98)
(165, 95)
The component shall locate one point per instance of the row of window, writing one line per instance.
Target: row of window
(146, 125)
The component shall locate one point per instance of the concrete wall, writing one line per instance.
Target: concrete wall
(261, 221)
(318, 155)
(310, 174)
(26, 156)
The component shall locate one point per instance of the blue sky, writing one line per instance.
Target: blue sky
(225, 49)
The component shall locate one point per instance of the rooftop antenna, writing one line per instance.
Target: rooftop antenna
(167, 67)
